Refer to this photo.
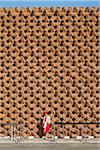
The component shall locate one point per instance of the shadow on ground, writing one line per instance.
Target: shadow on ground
(51, 146)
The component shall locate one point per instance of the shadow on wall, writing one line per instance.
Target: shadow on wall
(40, 128)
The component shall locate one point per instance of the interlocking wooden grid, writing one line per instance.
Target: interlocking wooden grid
(49, 61)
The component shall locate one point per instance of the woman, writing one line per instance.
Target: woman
(46, 123)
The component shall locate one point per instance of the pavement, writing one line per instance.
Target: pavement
(50, 146)
(32, 140)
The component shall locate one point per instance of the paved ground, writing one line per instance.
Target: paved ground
(52, 146)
